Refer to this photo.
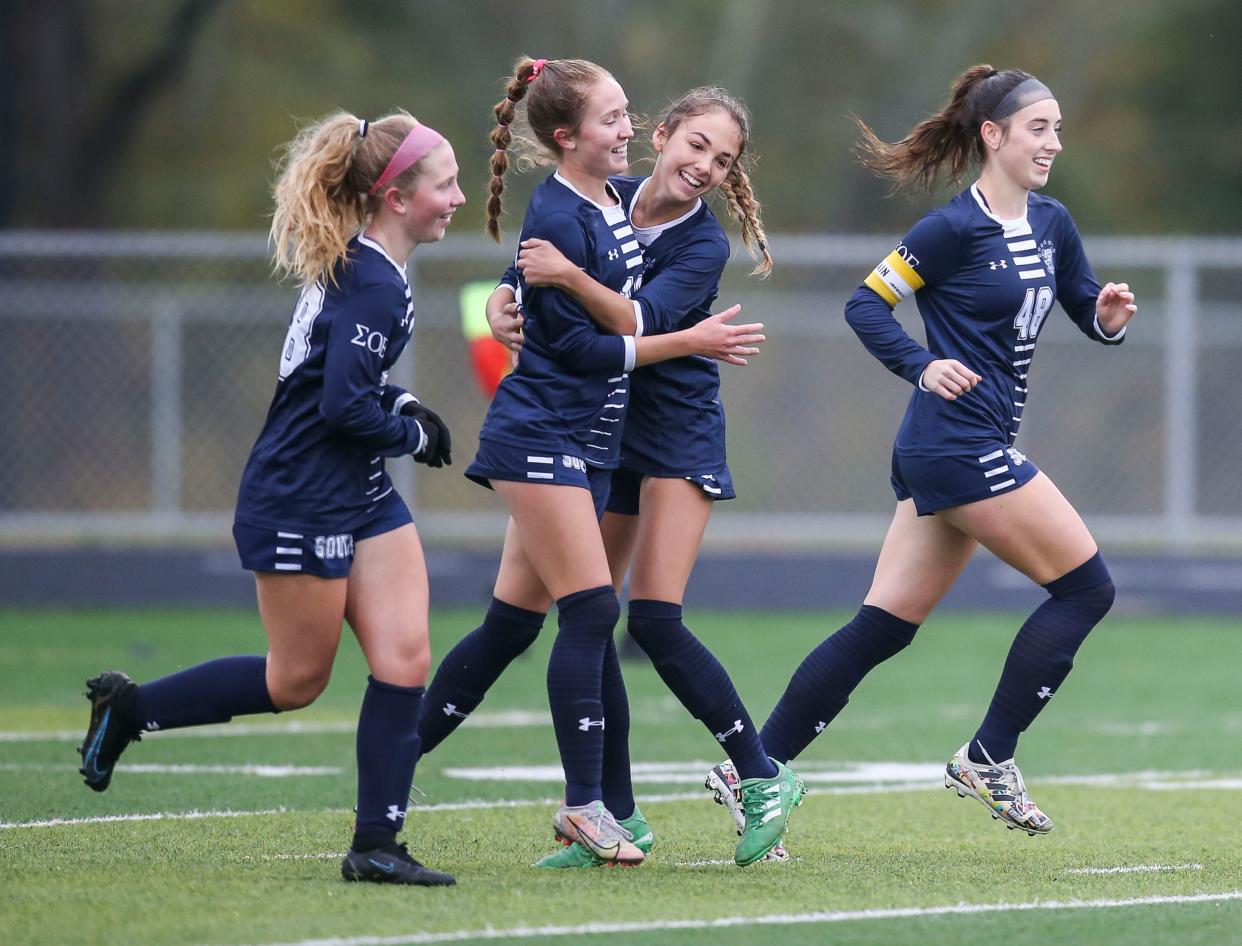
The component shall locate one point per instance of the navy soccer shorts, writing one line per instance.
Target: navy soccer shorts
(322, 551)
(626, 485)
(498, 461)
(943, 482)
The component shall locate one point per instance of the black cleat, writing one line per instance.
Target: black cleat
(392, 864)
(110, 729)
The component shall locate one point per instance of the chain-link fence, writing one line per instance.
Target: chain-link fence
(135, 370)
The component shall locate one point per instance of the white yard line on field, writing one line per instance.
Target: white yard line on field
(1137, 869)
(262, 771)
(776, 919)
(498, 720)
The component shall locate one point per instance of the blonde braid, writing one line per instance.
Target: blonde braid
(744, 207)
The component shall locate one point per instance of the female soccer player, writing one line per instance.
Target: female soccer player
(985, 270)
(317, 519)
(549, 427)
(700, 145)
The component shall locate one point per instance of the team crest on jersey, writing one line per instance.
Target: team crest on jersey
(1047, 250)
(1017, 457)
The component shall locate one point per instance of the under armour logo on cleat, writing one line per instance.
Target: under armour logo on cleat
(820, 727)
(1044, 693)
(737, 727)
(450, 709)
(394, 813)
(586, 723)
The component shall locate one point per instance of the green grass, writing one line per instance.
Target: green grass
(1148, 695)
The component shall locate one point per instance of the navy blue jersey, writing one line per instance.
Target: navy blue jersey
(569, 391)
(676, 425)
(983, 287)
(319, 459)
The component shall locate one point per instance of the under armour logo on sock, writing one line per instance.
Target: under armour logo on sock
(820, 727)
(1044, 693)
(450, 709)
(394, 813)
(586, 723)
(737, 727)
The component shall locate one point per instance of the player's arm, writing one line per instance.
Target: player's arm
(542, 264)
(1100, 312)
(926, 255)
(714, 337)
(504, 317)
(353, 365)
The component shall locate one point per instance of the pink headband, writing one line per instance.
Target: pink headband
(416, 146)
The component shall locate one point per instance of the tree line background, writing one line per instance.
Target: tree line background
(168, 113)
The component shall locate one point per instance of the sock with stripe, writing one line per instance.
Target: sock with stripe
(821, 686)
(211, 692)
(468, 671)
(575, 688)
(387, 749)
(1042, 656)
(698, 680)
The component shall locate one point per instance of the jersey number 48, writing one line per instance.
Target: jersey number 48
(1034, 308)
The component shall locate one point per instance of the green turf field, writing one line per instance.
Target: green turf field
(1136, 760)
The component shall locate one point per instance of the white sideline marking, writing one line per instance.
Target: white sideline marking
(1155, 781)
(498, 720)
(263, 771)
(1139, 869)
(775, 919)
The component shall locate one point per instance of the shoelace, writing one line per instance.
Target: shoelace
(755, 802)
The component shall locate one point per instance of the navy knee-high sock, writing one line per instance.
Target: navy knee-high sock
(698, 680)
(1042, 655)
(575, 688)
(615, 773)
(388, 749)
(821, 686)
(212, 692)
(468, 671)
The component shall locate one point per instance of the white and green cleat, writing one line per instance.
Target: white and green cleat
(726, 788)
(574, 854)
(999, 786)
(594, 828)
(766, 806)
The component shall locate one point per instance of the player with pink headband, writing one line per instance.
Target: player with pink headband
(318, 520)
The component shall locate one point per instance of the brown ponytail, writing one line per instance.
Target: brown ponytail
(555, 92)
(948, 138)
(321, 190)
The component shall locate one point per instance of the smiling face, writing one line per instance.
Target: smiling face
(598, 147)
(696, 155)
(436, 196)
(1025, 147)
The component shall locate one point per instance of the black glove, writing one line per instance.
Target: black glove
(437, 451)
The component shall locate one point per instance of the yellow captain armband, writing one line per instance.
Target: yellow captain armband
(894, 278)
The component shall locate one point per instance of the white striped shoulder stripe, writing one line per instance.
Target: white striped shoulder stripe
(633, 261)
(1024, 361)
(621, 232)
(1021, 245)
(1016, 388)
(602, 433)
(1026, 260)
(629, 247)
(992, 456)
(1030, 273)
(1024, 347)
